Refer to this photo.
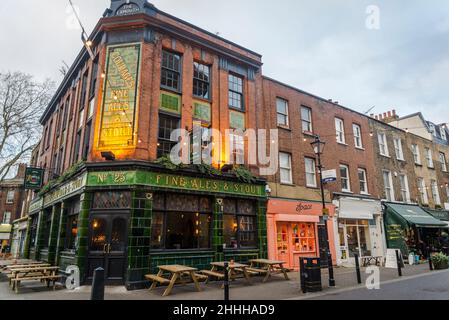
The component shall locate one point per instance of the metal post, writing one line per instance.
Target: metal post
(323, 201)
(226, 281)
(430, 259)
(399, 263)
(357, 268)
(98, 285)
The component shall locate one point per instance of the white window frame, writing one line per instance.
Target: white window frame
(308, 121)
(435, 193)
(443, 162)
(287, 124)
(443, 133)
(405, 189)
(310, 162)
(423, 191)
(6, 214)
(398, 148)
(416, 154)
(340, 130)
(383, 145)
(433, 130)
(429, 158)
(289, 168)
(358, 141)
(10, 196)
(237, 148)
(364, 181)
(347, 178)
(388, 189)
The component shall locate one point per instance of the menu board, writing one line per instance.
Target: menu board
(120, 97)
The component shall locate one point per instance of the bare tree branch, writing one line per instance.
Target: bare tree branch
(23, 100)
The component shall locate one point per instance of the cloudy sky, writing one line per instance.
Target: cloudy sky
(321, 46)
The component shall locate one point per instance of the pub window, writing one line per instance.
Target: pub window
(201, 80)
(171, 71)
(93, 80)
(72, 227)
(235, 92)
(66, 111)
(181, 222)
(239, 224)
(10, 197)
(77, 146)
(33, 230)
(83, 90)
(86, 148)
(282, 112)
(112, 200)
(166, 126)
(46, 229)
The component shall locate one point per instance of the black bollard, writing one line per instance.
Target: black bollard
(226, 281)
(399, 263)
(98, 285)
(430, 260)
(357, 268)
(331, 270)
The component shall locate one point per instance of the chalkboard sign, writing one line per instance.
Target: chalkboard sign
(391, 260)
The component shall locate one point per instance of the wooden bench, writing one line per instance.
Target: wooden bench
(16, 281)
(215, 274)
(158, 279)
(367, 261)
(41, 273)
(253, 270)
(200, 277)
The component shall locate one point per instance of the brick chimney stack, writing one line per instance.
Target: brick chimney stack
(386, 117)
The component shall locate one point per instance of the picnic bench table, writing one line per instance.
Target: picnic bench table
(268, 267)
(233, 270)
(42, 273)
(367, 261)
(176, 276)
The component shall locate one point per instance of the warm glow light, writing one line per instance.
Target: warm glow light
(103, 75)
(89, 43)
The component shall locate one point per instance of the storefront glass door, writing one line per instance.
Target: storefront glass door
(354, 239)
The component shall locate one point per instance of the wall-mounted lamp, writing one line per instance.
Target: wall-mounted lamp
(108, 155)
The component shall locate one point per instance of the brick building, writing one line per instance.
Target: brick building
(106, 201)
(349, 151)
(11, 198)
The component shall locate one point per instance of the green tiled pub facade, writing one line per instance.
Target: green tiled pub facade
(129, 220)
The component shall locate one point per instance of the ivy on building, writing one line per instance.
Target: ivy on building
(64, 177)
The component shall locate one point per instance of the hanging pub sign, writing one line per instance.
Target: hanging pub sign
(120, 98)
(34, 178)
(329, 176)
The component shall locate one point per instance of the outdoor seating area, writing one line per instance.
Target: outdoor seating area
(19, 271)
(172, 275)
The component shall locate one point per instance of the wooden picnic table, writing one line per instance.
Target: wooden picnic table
(42, 273)
(176, 276)
(367, 261)
(233, 270)
(269, 267)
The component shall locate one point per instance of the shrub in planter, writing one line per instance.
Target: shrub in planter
(440, 261)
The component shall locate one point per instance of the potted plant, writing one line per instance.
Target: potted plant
(440, 261)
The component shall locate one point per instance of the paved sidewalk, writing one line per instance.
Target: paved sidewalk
(275, 289)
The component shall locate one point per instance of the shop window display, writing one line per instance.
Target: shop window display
(303, 237)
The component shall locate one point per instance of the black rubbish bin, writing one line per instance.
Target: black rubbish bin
(310, 272)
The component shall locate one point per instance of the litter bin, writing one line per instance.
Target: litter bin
(310, 272)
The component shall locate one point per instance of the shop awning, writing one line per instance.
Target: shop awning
(415, 215)
(355, 208)
(442, 215)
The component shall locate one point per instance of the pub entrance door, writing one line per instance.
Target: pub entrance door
(108, 238)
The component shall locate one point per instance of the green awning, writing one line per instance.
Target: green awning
(439, 214)
(416, 216)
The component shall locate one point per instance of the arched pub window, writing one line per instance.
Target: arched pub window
(181, 222)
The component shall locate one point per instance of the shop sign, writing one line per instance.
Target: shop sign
(155, 179)
(128, 9)
(36, 205)
(121, 90)
(302, 208)
(65, 190)
(202, 111)
(237, 120)
(33, 178)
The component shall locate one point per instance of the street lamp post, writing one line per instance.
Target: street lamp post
(318, 147)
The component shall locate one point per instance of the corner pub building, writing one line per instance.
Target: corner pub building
(106, 201)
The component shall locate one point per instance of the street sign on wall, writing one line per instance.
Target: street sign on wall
(34, 178)
(329, 176)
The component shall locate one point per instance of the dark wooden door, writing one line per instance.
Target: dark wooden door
(107, 246)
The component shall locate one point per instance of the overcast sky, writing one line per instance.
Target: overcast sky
(321, 46)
